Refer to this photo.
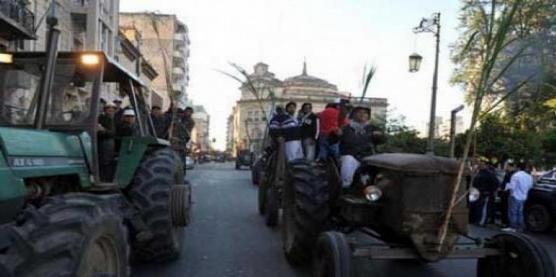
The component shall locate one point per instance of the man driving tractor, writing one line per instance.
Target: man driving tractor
(359, 139)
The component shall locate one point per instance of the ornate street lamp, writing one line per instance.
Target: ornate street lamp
(431, 25)
(415, 62)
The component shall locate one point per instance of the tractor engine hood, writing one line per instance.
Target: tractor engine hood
(26, 148)
(415, 163)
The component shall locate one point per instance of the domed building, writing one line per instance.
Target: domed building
(306, 88)
(247, 124)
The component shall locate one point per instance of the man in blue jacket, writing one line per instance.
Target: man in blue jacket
(285, 125)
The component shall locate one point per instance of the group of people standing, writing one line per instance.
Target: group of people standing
(340, 131)
(512, 191)
(116, 122)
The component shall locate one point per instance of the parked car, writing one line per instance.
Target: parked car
(189, 163)
(540, 208)
(220, 159)
(244, 158)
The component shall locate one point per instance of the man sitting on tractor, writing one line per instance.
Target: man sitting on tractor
(358, 140)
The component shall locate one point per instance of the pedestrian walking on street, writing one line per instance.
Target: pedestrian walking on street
(520, 184)
(309, 123)
(487, 184)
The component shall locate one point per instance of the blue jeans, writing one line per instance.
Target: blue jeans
(515, 213)
(484, 211)
(326, 149)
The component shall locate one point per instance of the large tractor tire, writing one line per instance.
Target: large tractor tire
(261, 196)
(272, 207)
(150, 193)
(520, 256)
(306, 210)
(77, 234)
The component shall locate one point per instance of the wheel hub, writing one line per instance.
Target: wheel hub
(102, 258)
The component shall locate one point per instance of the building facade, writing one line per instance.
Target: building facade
(230, 132)
(200, 136)
(17, 24)
(248, 123)
(84, 24)
(129, 55)
(165, 43)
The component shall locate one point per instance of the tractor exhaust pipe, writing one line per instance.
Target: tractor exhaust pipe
(48, 76)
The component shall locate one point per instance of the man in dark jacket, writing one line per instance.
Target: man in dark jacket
(358, 140)
(127, 125)
(487, 184)
(106, 142)
(285, 125)
(181, 133)
(309, 127)
(160, 122)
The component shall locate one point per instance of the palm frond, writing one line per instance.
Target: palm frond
(368, 80)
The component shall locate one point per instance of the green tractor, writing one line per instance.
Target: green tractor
(64, 209)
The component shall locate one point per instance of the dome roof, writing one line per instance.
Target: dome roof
(306, 80)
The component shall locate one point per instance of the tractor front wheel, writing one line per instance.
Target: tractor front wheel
(151, 193)
(332, 256)
(77, 234)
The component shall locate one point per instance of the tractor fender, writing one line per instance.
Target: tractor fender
(131, 154)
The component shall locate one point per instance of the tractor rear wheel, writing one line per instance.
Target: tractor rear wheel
(520, 256)
(306, 210)
(272, 207)
(151, 193)
(76, 234)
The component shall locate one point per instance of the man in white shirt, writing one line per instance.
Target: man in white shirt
(519, 186)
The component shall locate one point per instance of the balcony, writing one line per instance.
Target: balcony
(178, 62)
(16, 21)
(177, 87)
(179, 54)
(178, 71)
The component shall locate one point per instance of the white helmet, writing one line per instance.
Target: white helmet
(129, 112)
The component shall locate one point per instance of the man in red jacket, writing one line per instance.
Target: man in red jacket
(329, 132)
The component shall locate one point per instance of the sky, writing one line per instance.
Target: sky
(336, 38)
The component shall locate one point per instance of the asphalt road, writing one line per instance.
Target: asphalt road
(229, 238)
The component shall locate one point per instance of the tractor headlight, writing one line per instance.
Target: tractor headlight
(90, 59)
(6, 58)
(373, 193)
(474, 194)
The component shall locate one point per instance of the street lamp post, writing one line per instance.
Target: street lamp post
(429, 25)
(453, 130)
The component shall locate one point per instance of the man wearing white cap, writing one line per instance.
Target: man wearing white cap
(126, 126)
